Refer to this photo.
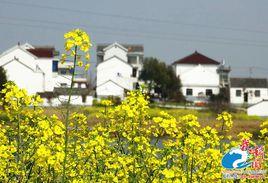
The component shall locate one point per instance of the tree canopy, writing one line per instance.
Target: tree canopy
(3, 78)
(162, 79)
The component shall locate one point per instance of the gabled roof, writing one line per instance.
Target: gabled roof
(114, 56)
(20, 47)
(197, 58)
(129, 47)
(110, 80)
(22, 63)
(115, 45)
(248, 82)
(264, 100)
(43, 52)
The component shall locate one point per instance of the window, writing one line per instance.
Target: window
(84, 98)
(257, 93)
(136, 86)
(119, 74)
(238, 93)
(189, 91)
(134, 72)
(66, 71)
(224, 77)
(71, 71)
(63, 71)
(132, 59)
(141, 59)
(55, 66)
(63, 84)
(208, 92)
(99, 58)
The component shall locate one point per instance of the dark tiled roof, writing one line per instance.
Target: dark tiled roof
(129, 47)
(196, 58)
(48, 52)
(75, 91)
(249, 82)
(46, 94)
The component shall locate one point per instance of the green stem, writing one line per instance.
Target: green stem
(19, 143)
(222, 131)
(66, 137)
(192, 166)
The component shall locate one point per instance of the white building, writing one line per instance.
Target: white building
(248, 90)
(258, 109)
(200, 76)
(36, 69)
(118, 69)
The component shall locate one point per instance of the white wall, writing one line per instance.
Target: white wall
(46, 65)
(60, 79)
(109, 70)
(24, 77)
(198, 77)
(75, 100)
(252, 99)
(184, 68)
(259, 109)
(115, 50)
(110, 89)
(23, 56)
(117, 71)
(30, 72)
(197, 90)
(35, 74)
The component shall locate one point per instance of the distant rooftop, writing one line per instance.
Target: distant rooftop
(249, 82)
(196, 58)
(43, 52)
(129, 47)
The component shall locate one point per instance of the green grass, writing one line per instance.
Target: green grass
(242, 122)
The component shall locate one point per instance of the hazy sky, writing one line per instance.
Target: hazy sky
(233, 30)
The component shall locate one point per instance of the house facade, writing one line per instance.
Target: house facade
(248, 90)
(118, 69)
(201, 76)
(36, 69)
(258, 109)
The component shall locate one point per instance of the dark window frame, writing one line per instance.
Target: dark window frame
(134, 72)
(55, 66)
(238, 93)
(189, 92)
(132, 59)
(209, 92)
(84, 98)
(257, 93)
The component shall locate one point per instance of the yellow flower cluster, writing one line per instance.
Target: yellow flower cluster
(128, 145)
(106, 102)
(77, 45)
(79, 38)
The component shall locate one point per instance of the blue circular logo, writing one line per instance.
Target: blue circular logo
(236, 159)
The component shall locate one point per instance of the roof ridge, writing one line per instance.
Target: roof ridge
(196, 58)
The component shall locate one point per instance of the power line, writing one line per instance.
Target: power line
(126, 34)
(135, 18)
(264, 69)
(128, 30)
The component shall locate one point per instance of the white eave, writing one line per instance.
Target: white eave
(120, 59)
(113, 45)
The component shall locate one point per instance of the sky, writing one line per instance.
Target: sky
(235, 31)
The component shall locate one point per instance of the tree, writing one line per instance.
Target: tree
(3, 78)
(162, 79)
(220, 102)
